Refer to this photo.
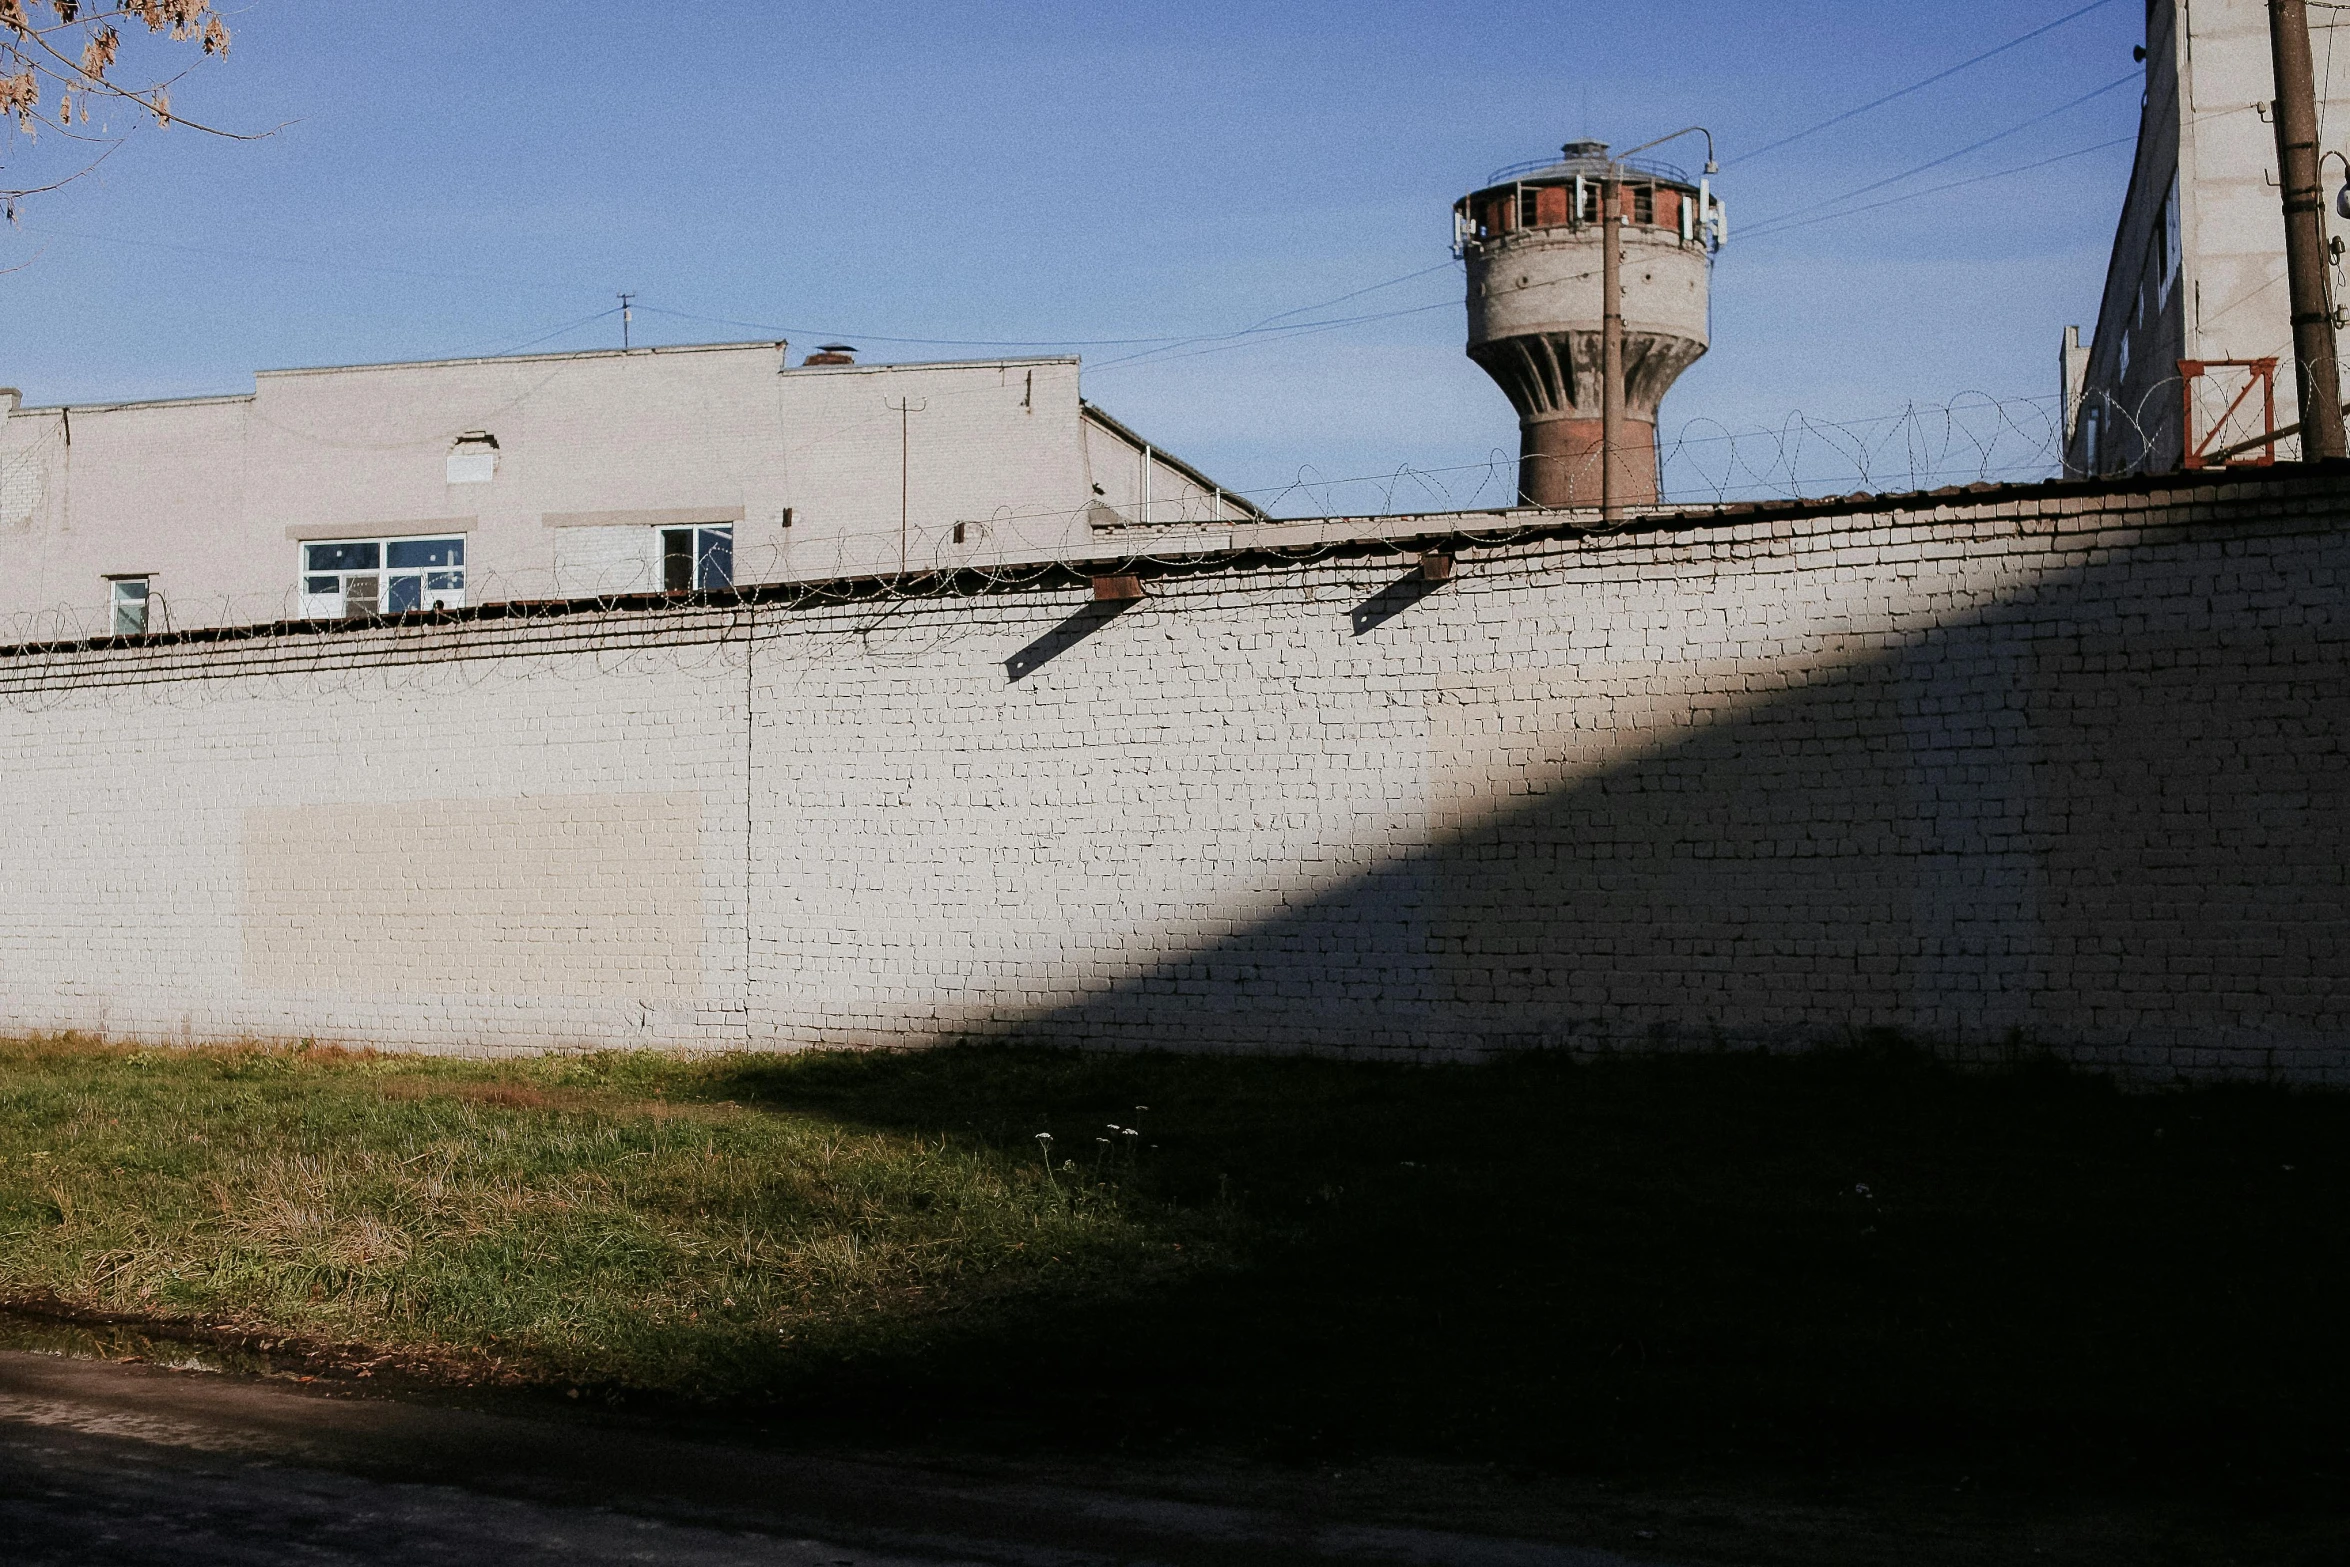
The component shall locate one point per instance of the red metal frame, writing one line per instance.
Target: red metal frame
(2264, 376)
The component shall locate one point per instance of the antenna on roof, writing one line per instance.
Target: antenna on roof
(626, 315)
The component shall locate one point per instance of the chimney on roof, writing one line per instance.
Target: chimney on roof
(832, 354)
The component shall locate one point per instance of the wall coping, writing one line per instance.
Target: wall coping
(1244, 545)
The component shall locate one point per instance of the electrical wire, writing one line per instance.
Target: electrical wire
(1441, 266)
(1148, 344)
(1903, 92)
(1260, 335)
(1776, 230)
(765, 328)
(607, 311)
(774, 329)
(1766, 224)
(1280, 326)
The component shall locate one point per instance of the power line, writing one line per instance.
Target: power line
(1148, 344)
(775, 329)
(1441, 266)
(1935, 190)
(1280, 325)
(558, 332)
(1261, 335)
(1266, 331)
(1944, 75)
(321, 264)
(1765, 225)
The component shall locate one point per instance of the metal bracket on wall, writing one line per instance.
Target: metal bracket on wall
(1117, 589)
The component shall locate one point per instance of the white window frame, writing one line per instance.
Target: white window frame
(438, 586)
(120, 602)
(702, 533)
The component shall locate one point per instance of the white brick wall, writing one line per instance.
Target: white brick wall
(2064, 769)
(594, 562)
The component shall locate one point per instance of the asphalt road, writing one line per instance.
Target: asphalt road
(134, 1464)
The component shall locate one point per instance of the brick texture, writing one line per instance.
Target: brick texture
(2053, 769)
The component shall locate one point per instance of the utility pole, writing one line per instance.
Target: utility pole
(2316, 375)
(1611, 346)
(626, 315)
(905, 408)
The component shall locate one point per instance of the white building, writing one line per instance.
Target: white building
(2197, 276)
(392, 488)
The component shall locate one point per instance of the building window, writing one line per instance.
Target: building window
(1529, 208)
(1644, 204)
(130, 606)
(697, 558)
(349, 577)
(2170, 243)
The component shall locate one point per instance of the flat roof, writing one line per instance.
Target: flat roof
(771, 345)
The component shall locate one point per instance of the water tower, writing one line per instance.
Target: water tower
(1546, 244)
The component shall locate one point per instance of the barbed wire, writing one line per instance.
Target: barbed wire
(1975, 438)
(674, 645)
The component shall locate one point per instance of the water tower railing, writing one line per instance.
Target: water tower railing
(1655, 168)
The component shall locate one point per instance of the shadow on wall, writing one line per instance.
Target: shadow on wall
(1089, 618)
(1390, 601)
(2107, 817)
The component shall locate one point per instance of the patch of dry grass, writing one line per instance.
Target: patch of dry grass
(564, 1214)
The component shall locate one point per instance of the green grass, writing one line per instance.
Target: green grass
(613, 1219)
(1836, 1262)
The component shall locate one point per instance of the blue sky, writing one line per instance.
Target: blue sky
(469, 179)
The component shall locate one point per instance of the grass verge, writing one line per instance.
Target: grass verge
(1839, 1261)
